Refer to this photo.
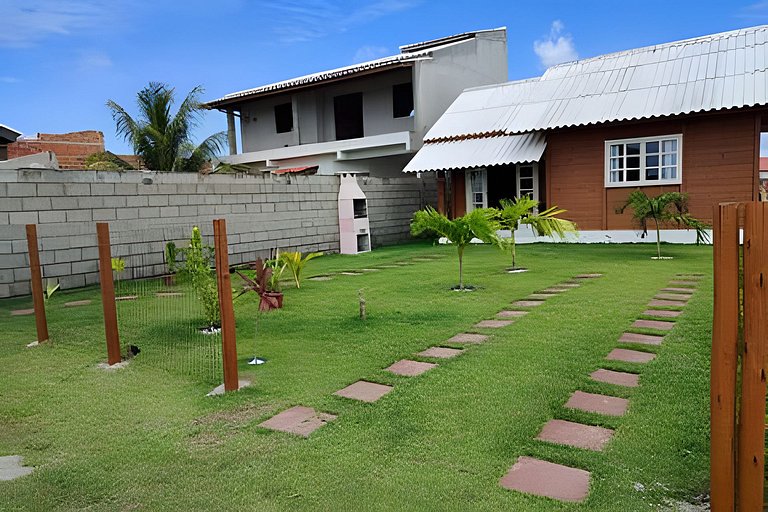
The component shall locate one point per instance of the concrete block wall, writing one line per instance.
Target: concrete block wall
(146, 209)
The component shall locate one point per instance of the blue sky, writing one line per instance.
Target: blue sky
(61, 60)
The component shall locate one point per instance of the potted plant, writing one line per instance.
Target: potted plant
(265, 283)
(670, 207)
(522, 210)
(171, 253)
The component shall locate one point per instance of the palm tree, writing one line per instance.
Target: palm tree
(669, 207)
(479, 223)
(164, 141)
(514, 212)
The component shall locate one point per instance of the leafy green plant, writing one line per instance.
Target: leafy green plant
(264, 283)
(296, 263)
(106, 161)
(522, 210)
(171, 253)
(667, 208)
(164, 141)
(51, 287)
(479, 223)
(197, 267)
(118, 265)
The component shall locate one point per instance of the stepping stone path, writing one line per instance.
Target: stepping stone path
(298, 420)
(653, 324)
(630, 356)
(527, 303)
(541, 296)
(645, 339)
(350, 273)
(601, 404)
(511, 314)
(364, 391)
(630, 380)
(320, 278)
(493, 324)
(441, 352)
(408, 368)
(127, 297)
(565, 483)
(12, 467)
(467, 337)
(22, 312)
(577, 435)
(76, 303)
(542, 478)
(169, 294)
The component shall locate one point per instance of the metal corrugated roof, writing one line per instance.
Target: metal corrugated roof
(480, 152)
(719, 71)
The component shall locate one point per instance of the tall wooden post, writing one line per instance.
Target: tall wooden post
(108, 294)
(36, 278)
(751, 443)
(441, 192)
(725, 335)
(226, 308)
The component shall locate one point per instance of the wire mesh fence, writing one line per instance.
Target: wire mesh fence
(166, 296)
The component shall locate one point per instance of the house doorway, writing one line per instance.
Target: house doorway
(487, 187)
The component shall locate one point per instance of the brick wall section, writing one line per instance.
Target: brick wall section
(262, 213)
(71, 148)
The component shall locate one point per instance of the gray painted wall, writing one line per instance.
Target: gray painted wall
(262, 212)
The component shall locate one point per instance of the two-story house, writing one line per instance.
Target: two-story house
(364, 118)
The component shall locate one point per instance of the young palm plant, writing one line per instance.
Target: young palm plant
(514, 212)
(479, 223)
(296, 263)
(162, 140)
(670, 207)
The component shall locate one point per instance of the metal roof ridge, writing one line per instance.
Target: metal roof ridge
(433, 43)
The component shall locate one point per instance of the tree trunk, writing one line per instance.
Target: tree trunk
(461, 268)
(658, 238)
(514, 262)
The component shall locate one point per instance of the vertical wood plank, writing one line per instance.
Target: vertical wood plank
(725, 333)
(226, 308)
(751, 443)
(36, 278)
(441, 192)
(108, 294)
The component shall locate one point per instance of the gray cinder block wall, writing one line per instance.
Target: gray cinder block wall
(144, 209)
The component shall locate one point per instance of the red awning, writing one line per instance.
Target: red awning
(308, 169)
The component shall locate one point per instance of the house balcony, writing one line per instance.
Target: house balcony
(374, 146)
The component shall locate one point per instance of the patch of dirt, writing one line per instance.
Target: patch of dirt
(238, 417)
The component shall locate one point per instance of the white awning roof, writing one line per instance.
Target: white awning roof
(483, 152)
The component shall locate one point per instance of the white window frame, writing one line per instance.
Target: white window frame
(470, 204)
(535, 191)
(643, 181)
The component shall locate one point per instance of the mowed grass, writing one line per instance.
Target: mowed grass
(147, 439)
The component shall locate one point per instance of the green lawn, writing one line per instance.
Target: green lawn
(144, 438)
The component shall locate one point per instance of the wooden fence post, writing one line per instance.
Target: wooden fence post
(36, 278)
(226, 308)
(108, 294)
(751, 441)
(725, 336)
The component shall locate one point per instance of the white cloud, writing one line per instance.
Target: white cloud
(26, 22)
(557, 47)
(9, 80)
(90, 61)
(304, 20)
(365, 53)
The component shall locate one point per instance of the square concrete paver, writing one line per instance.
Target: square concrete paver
(662, 313)
(600, 404)
(466, 337)
(541, 296)
(298, 420)
(127, 297)
(527, 303)
(654, 324)
(22, 312)
(554, 289)
(645, 339)
(663, 302)
(673, 296)
(76, 303)
(12, 467)
(567, 285)
(679, 290)
(441, 352)
(493, 324)
(630, 356)
(588, 276)
(364, 391)
(575, 434)
(684, 282)
(351, 273)
(542, 478)
(409, 368)
(169, 294)
(320, 278)
(511, 314)
(630, 380)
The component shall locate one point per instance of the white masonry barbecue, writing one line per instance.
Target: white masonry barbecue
(354, 230)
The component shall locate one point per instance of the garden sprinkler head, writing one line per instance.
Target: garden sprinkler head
(257, 360)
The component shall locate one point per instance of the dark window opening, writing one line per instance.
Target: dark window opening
(348, 116)
(402, 100)
(360, 209)
(284, 117)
